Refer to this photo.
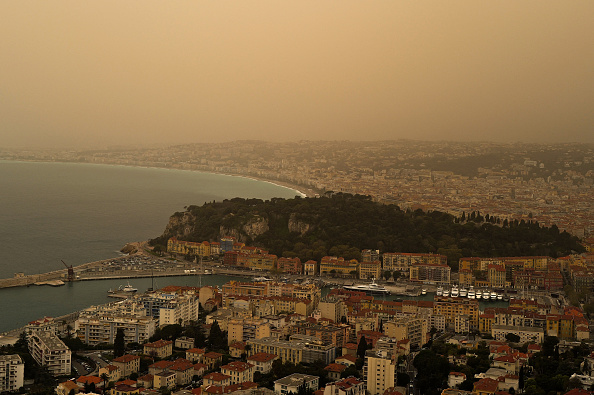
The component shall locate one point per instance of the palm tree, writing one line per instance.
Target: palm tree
(105, 378)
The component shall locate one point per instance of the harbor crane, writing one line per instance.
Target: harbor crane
(70, 271)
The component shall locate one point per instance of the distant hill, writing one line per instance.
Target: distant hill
(344, 224)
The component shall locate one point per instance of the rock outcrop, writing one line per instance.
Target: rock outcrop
(296, 225)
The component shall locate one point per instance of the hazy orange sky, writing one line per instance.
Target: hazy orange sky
(101, 73)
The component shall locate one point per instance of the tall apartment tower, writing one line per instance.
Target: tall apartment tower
(12, 372)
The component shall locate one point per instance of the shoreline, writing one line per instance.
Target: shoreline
(300, 190)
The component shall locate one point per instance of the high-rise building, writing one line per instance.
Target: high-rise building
(12, 372)
(379, 371)
(49, 351)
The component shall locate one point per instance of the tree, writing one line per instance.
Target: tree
(432, 370)
(119, 344)
(362, 348)
(350, 371)
(512, 337)
(105, 378)
(217, 339)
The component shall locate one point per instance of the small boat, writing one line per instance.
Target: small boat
(207, 272)
(499, 296)
(505, 298)
(423, 291)
(463, 292)
(439, 291)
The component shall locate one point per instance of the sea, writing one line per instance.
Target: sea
(77, 213)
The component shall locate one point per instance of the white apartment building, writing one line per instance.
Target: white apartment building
(48, 350)
(332, 308)
(292, 383)
(379, 371)
(102, 328)
(181, 310)
(12, 372)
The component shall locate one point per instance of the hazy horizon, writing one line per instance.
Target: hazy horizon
(117, 73)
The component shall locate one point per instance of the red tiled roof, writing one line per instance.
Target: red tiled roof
(126, 382)
(335, 367)
(488, 385)
(238, 345)
(159, 343)
(161, 364)
(216, 376)
(146, 377)
(126, 358)
(392, 391)
(89, 379)
(348, 357)
(262, 357)
(237, 366)
(459, 374)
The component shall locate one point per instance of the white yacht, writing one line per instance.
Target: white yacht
(260, 279)
(129, 288)
(371, 289)
(478, 294)
(493, 295)
(471, 294)
(423, 291)
(455, 292)
(439, 291)
(446, 292)
(486, 295)
(499, 296)
(463, 292)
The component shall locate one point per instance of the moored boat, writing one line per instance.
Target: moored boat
(439, 291)
(463, 292)
(129, 288)
(371, 289)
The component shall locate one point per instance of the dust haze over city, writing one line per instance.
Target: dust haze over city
(99, 74)
(269, 197)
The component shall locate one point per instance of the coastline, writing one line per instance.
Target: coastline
(303, 192)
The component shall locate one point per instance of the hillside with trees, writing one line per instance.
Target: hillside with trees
(343, 224)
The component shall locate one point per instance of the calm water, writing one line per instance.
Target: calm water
(25, 304)
(81, 213)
